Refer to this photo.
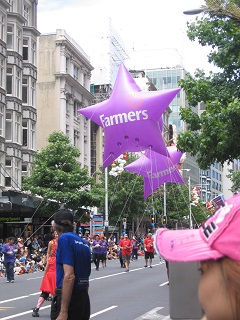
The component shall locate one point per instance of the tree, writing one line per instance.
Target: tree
(58, 177)
(214, 136)
(178, 206)
(125, 193)
(223, 8)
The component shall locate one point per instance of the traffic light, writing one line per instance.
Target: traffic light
(164, 220)
(153, 219)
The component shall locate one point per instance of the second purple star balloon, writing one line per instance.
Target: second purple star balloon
(157, 169)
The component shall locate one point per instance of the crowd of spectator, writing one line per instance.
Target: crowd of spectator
(31, 252)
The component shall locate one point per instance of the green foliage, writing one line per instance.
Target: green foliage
(178, 206)
(125, 193)
(214, 136)
(57, 175)
(235, 178)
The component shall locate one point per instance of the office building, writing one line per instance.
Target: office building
(18, 115)
(63, 87)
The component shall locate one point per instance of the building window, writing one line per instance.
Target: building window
(17, 173)
(76, 107)
(10, 37)
(32, 136)
(9, 126)
(1, 120)
(12, 3)
(33, 49)
(67, 130)
(25, 49)
(2, 26)
(19, 40)
(67, 64)
(25, 133)
(2, 64)
(166, 80)
(33, 92)
(9, 80)
(18, 83)
(75, 72)
(18, 128)
(67, 107)
(25, 90)
(75, 138)
(24, 167)
(8, 182)
(26, 12)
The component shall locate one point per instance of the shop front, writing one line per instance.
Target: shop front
(17, 213)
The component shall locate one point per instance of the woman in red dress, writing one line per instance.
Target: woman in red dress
(48, 284)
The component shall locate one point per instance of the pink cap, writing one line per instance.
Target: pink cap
(218, 237)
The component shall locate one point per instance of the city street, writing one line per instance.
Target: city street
(140, 294)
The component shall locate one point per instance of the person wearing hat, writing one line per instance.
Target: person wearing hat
(73, 266)
(216, 245)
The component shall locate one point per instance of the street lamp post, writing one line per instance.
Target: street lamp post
(190, 203)
(106, 222)
(165, 202)
(193, 11)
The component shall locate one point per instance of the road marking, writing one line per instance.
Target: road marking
(98, 278)
(22, 313)
(3, 308)
(152, 314)
(45, 307)
(34, 278)
(119, 273)
(102, 311)
(163, 284)
(21, 297)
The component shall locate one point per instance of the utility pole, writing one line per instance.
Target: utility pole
(106, 222)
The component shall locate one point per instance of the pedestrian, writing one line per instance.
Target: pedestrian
(9, 250)
(73, 262)
(48, 284)
(126, 247)
(97, 251)
(104, 250)
(20, 245)
(215, 245)
(148, 250)
(120, 253)
(1, 246)
(134, 249)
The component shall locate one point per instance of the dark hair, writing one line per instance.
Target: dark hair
(64, 229)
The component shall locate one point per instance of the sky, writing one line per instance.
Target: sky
(153, 32)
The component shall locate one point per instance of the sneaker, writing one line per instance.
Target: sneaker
(12, 281)
(7, 281)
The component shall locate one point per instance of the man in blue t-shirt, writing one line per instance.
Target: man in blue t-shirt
(73, 265)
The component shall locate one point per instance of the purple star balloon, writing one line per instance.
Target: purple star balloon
(131, 118)
(157, 169)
